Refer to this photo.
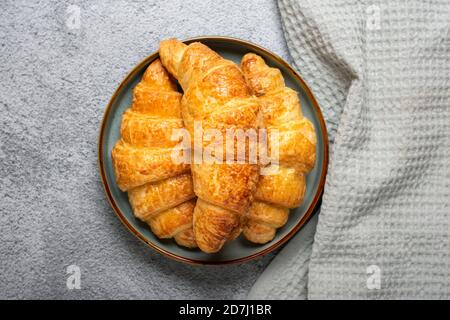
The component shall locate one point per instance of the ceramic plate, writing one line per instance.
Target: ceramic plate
(239, 250)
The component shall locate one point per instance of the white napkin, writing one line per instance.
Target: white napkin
(381, 73)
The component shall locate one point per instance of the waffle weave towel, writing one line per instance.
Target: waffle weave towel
(381, 73)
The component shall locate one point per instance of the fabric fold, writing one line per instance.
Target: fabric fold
(380, 72)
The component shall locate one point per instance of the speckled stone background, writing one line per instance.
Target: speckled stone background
(55, 83)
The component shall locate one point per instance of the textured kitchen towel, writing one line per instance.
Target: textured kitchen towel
(381, 73)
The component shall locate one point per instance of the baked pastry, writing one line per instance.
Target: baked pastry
(160, 190)
(285, 186)
(217, 96)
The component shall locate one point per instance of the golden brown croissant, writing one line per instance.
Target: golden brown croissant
(215, 93)
(285, 188)
(160, 191)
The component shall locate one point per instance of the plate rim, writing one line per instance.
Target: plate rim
(309, 212)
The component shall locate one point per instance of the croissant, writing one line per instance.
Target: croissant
(160, 191)
(217, 95)
(285, 186)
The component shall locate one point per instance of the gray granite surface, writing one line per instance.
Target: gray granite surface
(56, 78)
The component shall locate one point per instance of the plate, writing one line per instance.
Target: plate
(239, 250)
